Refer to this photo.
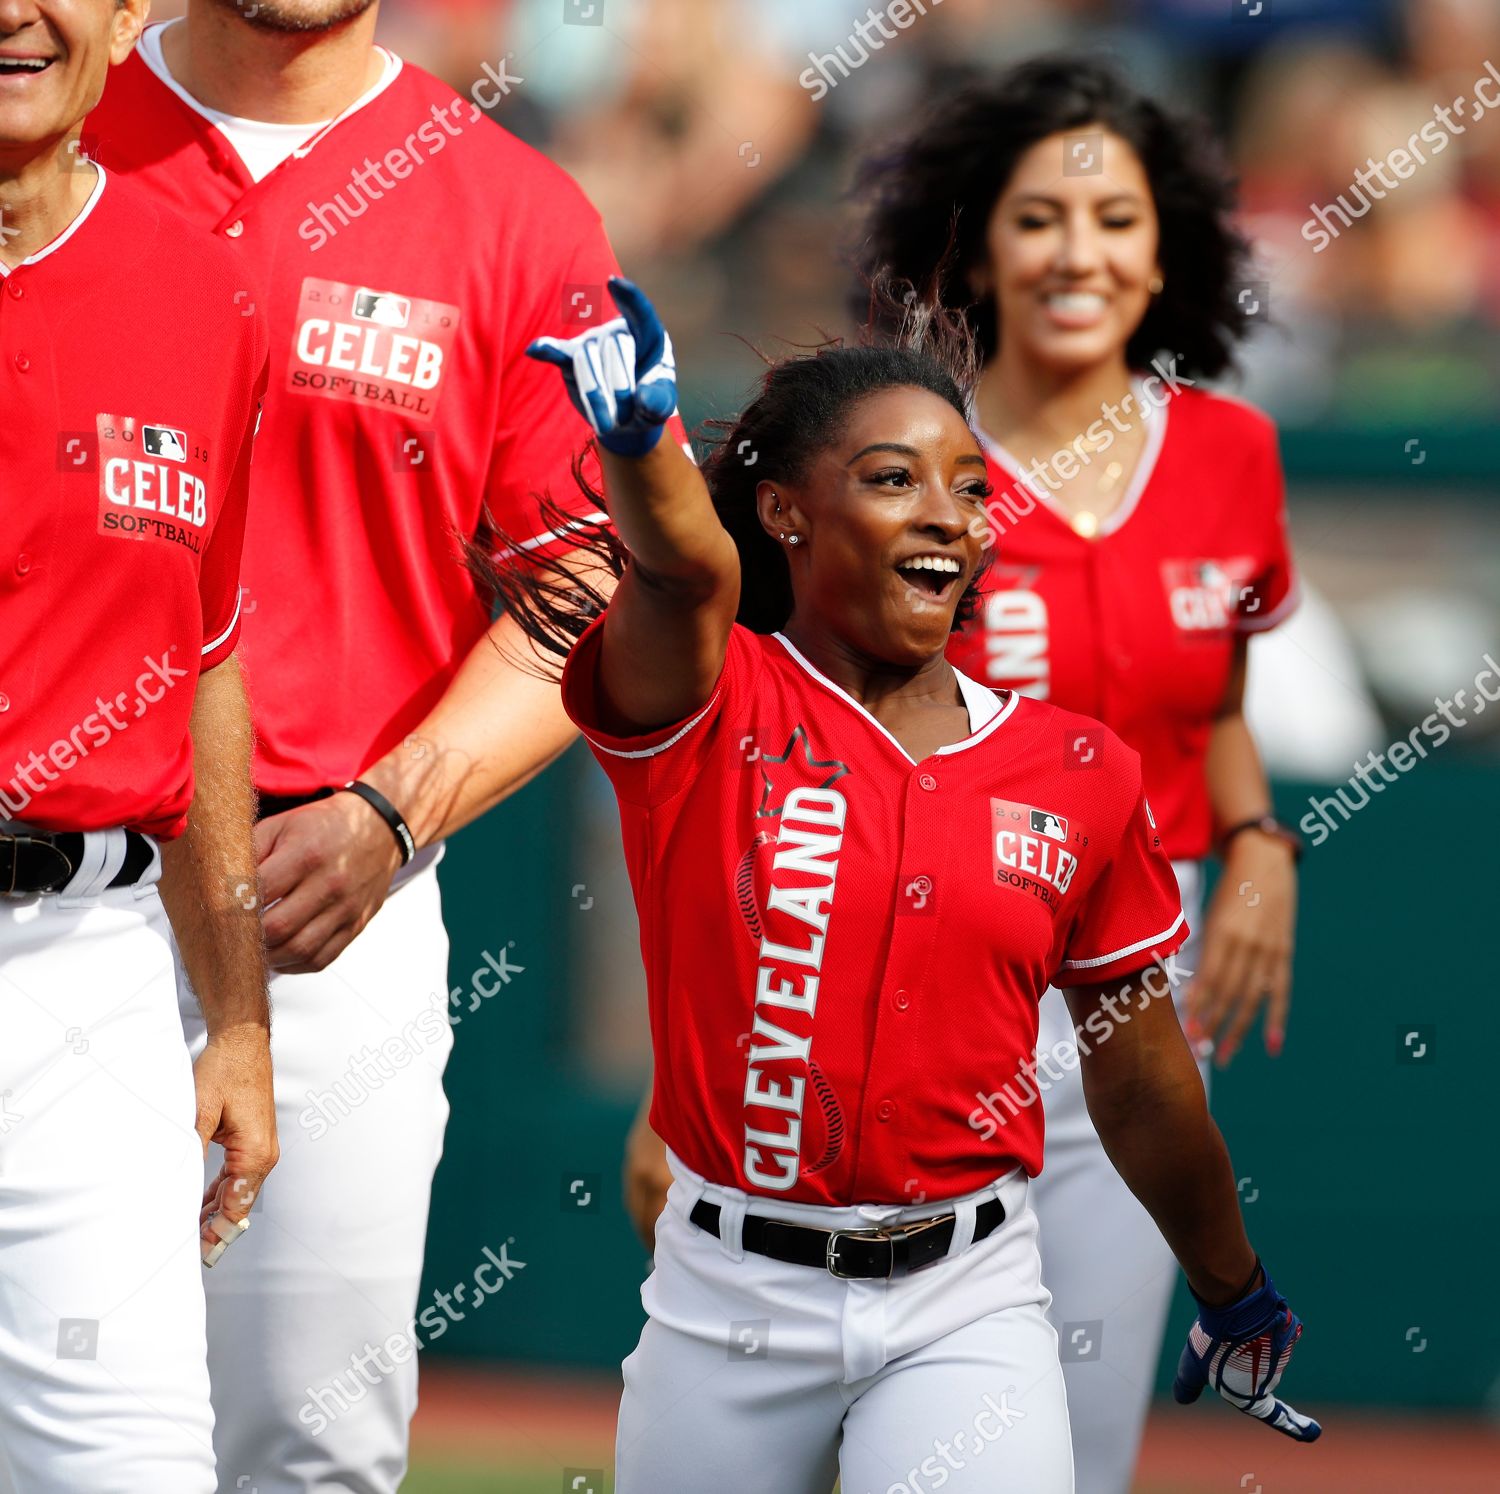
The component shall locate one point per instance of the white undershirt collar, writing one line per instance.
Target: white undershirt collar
(260, 144)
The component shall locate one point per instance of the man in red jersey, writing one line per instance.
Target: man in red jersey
(407, 251)
(125, 803)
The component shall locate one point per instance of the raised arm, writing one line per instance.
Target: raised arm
(667, 628)
(1147, 1103)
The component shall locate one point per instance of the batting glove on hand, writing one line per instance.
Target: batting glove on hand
(1243, 1350)
(621, 376)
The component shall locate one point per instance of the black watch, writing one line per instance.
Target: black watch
(1267, 824)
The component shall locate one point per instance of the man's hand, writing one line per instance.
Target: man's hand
(325, 870)
(646, 1176)
(237, 1109)
(1242, 1349)
(1247, 947)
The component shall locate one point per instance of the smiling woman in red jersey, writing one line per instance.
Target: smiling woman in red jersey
(1139, 539)
(856, 872)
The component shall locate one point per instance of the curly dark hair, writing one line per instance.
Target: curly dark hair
(798, 411)
(928, 199)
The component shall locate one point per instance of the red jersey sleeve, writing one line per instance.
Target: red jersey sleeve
(1273, 592)
(538, 432)
(219, 574)
(648, 770)
(1132, 915)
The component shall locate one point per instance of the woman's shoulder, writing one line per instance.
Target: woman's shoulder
(1213, 414)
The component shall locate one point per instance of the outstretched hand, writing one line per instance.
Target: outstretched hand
(621, 375)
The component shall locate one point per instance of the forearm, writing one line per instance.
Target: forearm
(1237, 786)
(661, 507)
(495, 728)
(208, 882)
(1162, 1141)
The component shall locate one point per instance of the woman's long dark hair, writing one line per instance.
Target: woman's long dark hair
(928, 200)
(799, 409)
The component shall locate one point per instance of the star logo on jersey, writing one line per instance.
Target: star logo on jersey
(795, 768)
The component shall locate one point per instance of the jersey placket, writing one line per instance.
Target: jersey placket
(28, 395)
(903, 1004)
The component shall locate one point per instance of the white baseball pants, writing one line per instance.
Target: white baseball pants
(765, 1378)
(1104, 1261)
(103, 1380)
(331, 1265)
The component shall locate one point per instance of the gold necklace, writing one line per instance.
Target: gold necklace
(1085, 521)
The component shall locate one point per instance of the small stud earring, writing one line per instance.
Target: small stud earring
(794, 539)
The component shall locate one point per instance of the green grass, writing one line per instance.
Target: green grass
(477, 1478)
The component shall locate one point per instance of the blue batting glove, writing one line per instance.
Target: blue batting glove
(621, 375)
(1242, 1350)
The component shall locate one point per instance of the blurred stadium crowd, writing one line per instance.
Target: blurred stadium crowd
(721, 177)
(718, 138)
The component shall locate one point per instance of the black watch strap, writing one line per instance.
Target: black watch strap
(1267, 824)
(389, 813)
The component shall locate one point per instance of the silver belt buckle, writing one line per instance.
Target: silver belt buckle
(884, 1232)
(831, 1256)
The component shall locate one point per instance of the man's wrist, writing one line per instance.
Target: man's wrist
(395, 821)
(249, 1029)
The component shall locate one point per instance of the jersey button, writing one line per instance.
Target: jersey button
(236, 228)
(22, 362)
(16, 289)
(901, 1001)
(23, 563)
(885, 1110)
(4, 702)
(928, 782)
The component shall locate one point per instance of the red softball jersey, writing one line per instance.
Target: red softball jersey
(406, 255)
(844, 948)
(1136, 626)
(132, 365)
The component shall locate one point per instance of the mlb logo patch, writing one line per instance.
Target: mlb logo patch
(382, 308)
(164, 441)
(1050, 825)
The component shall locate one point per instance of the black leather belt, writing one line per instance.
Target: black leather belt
(34, 861)
(270, 804)
(854, 1254)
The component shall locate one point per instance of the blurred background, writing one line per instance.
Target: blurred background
(1364, 1151)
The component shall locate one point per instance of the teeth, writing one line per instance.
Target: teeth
(1077, 301)
(944, 563)
(33, 64)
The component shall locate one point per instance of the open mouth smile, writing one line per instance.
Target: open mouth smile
(933, 577)
(23, 67)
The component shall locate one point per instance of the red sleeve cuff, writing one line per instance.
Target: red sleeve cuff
(218, 645)
(1093, 970)
(580, 701)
